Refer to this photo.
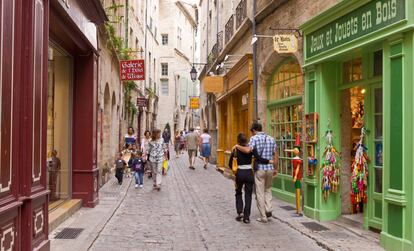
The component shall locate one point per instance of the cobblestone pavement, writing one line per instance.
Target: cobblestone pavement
(193, 211)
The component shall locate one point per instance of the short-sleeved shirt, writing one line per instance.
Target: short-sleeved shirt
(192, 141)
(130, 139)
(266, 146)
(156, 150)
(205, 138)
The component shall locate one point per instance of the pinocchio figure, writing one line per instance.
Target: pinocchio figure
(297, 173)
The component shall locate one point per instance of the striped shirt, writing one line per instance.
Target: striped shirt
(266, 147)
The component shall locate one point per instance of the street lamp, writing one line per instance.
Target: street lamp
(193, 74)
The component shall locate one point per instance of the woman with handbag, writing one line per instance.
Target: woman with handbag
(241, 164)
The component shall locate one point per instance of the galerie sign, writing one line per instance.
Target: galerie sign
(362, 21)
(132, 70)
(285, 43)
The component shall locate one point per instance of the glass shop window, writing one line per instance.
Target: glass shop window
(352, 70)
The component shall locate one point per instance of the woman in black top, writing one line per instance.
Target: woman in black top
(244, 177)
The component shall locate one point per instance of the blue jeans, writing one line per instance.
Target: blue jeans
(139, 178)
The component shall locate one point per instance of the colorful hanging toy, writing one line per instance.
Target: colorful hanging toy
(312, 162)
(331, 171)
(359, 178)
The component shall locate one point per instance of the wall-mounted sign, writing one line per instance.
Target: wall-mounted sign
(194, 102)
(142, 102)
(132, 70)
(287, 43)
(213, 84)
(365, 20)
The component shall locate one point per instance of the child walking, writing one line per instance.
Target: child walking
(137, 163)
(119, 166)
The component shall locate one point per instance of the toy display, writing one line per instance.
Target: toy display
(312, 161)
(359, 177)
(331, 171)
(311, 127)
(297, 173)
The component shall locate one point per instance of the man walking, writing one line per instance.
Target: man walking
(265, 146)
(191, 142)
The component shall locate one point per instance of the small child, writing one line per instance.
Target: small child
(120, 165)
(137, 163)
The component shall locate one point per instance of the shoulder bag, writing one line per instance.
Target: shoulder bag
(255, 162)
(234, 165)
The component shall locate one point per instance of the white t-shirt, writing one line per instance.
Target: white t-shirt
(205, 138)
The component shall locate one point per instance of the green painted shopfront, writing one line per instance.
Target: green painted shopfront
(358, 117)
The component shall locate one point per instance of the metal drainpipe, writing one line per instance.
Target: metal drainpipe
(126, 23)
(255, 112)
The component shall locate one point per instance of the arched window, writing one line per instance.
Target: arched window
(285, 109)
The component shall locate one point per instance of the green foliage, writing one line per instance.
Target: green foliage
(123, 53)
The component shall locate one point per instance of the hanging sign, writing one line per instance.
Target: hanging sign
(213, 84)
(132, 70)
(366, 19)
(286, 43)
(142, 102)
(194, 102)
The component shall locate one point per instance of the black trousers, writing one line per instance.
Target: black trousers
(244, 178)
(119, 174)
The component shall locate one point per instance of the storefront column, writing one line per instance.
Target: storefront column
(326, 101)
(397, 231)
(31, 112)
(85, 171)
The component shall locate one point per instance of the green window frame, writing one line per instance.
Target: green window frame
(285, 109)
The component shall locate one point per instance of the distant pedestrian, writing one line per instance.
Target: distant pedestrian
(137, 163)
(205, 141)
(166, 136)
(156, 157)
(177, 144)
(266, 148)
(119, 168)
(191, 142)
(130, 138)
(182, 142)
(144, 149)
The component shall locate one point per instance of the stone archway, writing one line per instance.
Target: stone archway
(268, 64)
(106, 122)
(114, 127)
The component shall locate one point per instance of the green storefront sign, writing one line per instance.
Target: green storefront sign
(362, 21)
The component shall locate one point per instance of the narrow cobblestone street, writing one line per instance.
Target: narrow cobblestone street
(193, 211)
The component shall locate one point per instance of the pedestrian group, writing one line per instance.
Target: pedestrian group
(254, 162)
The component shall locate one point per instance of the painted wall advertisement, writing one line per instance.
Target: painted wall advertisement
(131, 70)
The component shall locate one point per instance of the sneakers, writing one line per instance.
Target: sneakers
(262, 220)
(136, 185)
(141, 186)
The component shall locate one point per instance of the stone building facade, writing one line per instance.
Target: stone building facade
(178, 25)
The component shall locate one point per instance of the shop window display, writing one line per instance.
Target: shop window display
(58, 124)
(286, 120)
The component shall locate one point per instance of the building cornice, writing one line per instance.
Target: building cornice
(187, 14)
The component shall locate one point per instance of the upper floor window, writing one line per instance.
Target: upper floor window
(164, 38)
(164, 69)
(164, 87)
